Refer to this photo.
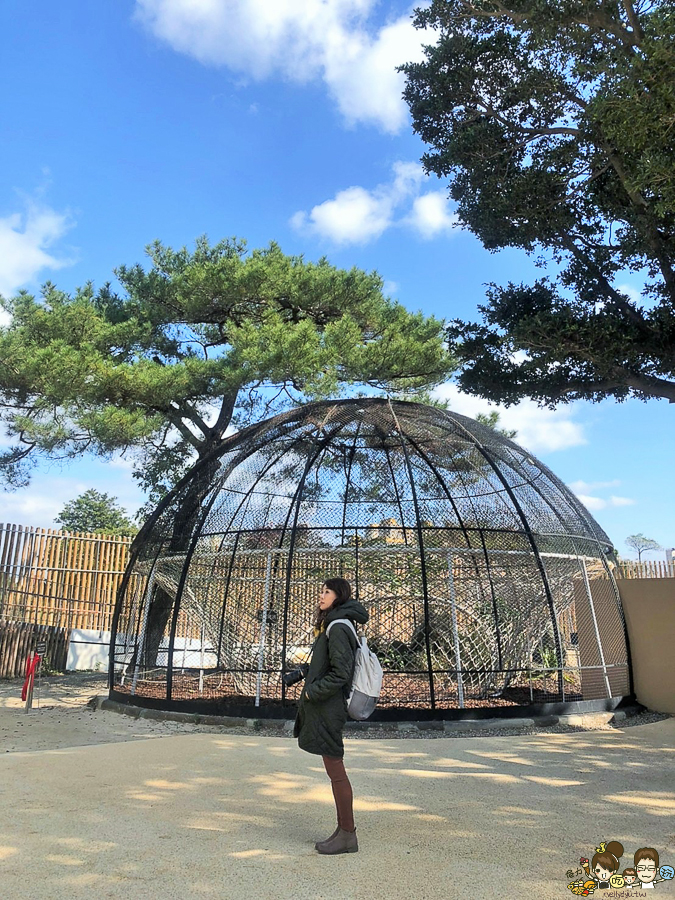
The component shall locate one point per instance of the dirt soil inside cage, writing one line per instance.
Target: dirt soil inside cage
(220, 689)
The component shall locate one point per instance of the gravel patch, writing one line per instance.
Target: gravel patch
(644, 718)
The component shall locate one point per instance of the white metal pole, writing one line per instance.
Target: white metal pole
(127, 633)
(201, 659)
(595, 626)
(141, 641)
(263, 628)
(455, 633)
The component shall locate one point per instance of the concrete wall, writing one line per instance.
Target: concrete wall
(89, 650)
(649, 607)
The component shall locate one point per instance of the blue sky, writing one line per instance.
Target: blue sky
(128, 122)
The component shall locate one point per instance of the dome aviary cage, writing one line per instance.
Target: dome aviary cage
(487, 582)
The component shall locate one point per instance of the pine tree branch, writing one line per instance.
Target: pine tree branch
(643, 211)
(599, 23)
(174, 417)
(225, 415)
(617, 300)
(633, 20)
(650, 386)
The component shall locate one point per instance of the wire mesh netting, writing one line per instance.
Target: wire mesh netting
(487, 582)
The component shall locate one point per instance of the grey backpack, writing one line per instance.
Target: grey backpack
(367, 681)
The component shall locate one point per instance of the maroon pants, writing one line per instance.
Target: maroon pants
(342, 791)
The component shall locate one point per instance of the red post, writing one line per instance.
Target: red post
(27, 691)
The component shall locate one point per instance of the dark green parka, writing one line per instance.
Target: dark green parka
(322, 711)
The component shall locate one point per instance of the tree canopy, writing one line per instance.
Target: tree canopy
(555, 122)
(492, 419)
(642, 544)
(96, 513)
(193, 344)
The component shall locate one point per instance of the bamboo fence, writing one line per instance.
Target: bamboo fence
(63, 579)
(70, 580)
(648, 568)
(18, 640)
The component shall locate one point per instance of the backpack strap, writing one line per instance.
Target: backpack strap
(347, 687)
(342, 622)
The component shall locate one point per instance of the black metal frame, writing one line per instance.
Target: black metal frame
(475, 570)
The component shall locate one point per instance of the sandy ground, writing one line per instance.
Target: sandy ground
(95, 804)
(63, 718)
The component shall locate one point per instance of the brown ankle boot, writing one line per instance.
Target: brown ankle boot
(321, 843)
(342, 842)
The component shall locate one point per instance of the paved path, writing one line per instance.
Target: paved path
(235, 816)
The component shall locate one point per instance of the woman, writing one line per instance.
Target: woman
(605, 863)
(322, 711)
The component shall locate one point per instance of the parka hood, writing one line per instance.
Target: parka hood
(352, 609)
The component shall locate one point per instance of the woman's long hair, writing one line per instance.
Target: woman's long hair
(343, 592)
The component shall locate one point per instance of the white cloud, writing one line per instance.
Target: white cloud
(357, 215)
(598, 502)
(582, 489)
(621, 501)
(125, 463)
(539, 430)
(40, 503)
(592, 503)
(25, 239)
(431, 214)
(353, 216)
(328, 40)
(360, 72)
(631, 292)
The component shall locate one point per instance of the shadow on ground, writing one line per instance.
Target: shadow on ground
(214, 815)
